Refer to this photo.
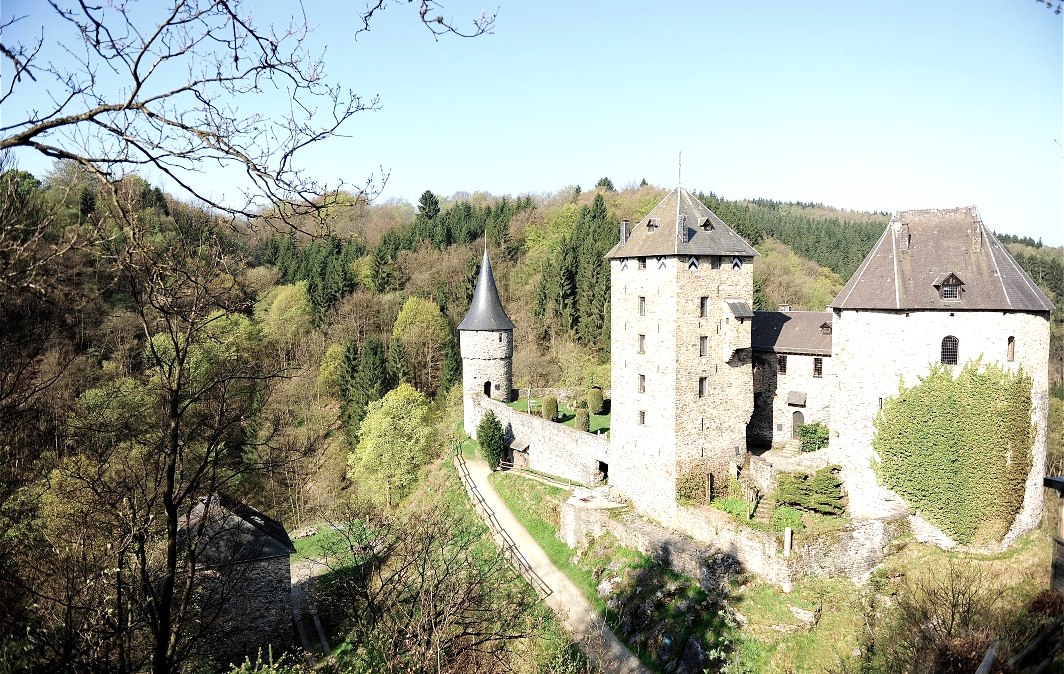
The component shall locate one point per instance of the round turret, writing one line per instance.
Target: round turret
(487, 344)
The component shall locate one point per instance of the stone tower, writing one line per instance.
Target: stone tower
(487, 345)
(682, 389)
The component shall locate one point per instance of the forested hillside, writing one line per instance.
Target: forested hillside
(152, 353)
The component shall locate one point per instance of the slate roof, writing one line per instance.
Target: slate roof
(681, 225)
(798, 332)
(235, 532)
(486, 312)
(921, 248)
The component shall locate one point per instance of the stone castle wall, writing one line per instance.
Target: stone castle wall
(773, 417)
(873, 351)
(552, 448)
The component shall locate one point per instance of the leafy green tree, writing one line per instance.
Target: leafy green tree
(490, 437)
(425, 335)
(329, 371)
(286, 316)
(395, 442)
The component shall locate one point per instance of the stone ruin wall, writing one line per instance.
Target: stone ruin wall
(853, 551)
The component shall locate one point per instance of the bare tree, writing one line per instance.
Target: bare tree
(172, 86)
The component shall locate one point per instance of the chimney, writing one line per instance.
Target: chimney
(624, 232)
(904, 238)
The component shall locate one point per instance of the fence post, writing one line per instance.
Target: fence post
(787, 539)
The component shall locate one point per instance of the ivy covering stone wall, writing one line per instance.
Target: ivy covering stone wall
(958, 449)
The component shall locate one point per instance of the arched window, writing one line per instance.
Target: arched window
(949, 350)
(1012, 349)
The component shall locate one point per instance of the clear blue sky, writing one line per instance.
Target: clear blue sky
(861, 105)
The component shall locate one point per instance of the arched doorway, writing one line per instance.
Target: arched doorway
(487, 388)
(797, 419)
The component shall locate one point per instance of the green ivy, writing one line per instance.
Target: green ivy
(958, 449)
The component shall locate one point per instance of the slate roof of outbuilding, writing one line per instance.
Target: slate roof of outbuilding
(234, 532)
(920, 248)
(486, 312)
(678, 212)
(798, 332)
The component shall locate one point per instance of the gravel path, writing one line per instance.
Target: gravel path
(602, 646)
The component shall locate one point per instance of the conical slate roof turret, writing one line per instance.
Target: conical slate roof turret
(486, 312)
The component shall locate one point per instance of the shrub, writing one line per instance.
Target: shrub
(490, 437)
(820, 492)
(594, 401)
(813, 436)
(784, 517)
(691, 487)
(582, 422)
(550, 408)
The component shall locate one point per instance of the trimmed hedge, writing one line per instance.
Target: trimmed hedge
(490, 437)
(813, 436)
(958, 449)
(582, 421)
(820, 492)
(550, 408)
(594, 401)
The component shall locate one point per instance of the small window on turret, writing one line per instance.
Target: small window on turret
(642, 306)
(642, 263)
(500, 338)
(703, 307)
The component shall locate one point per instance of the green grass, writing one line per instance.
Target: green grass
(597, 423)
(774, 640)
(535, 505)
(316, 544)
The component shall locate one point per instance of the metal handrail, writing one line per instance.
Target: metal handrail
(506, 542)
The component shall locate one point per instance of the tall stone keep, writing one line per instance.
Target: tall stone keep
(487, 345)
(682, 382)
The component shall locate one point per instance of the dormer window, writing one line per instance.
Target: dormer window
(652, 224)
(825, 328)
(705, 224)
(949, 286)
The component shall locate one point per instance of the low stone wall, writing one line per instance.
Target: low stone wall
(853, 551)
(763, 474)
(552, 448)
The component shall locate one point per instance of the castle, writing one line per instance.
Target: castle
(699, 378)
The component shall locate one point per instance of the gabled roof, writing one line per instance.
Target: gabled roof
(234, 532)
(681, 225)
(798, 332)
(486, 312)
(919, 250)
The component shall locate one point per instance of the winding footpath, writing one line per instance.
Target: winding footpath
(601, 645)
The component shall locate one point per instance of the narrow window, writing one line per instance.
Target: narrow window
(642, 383)
(500, 338)
(1012, 349)
(642, 263)
(703, 307)
(949, 350)
(642, 418)
(642, 343)
(781, 364)
(703, 385)
(818, 367)
(703, 346)
(642, 306)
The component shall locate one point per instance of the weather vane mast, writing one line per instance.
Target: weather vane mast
(679, 169)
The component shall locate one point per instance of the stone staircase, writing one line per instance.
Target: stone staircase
(763, 513)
